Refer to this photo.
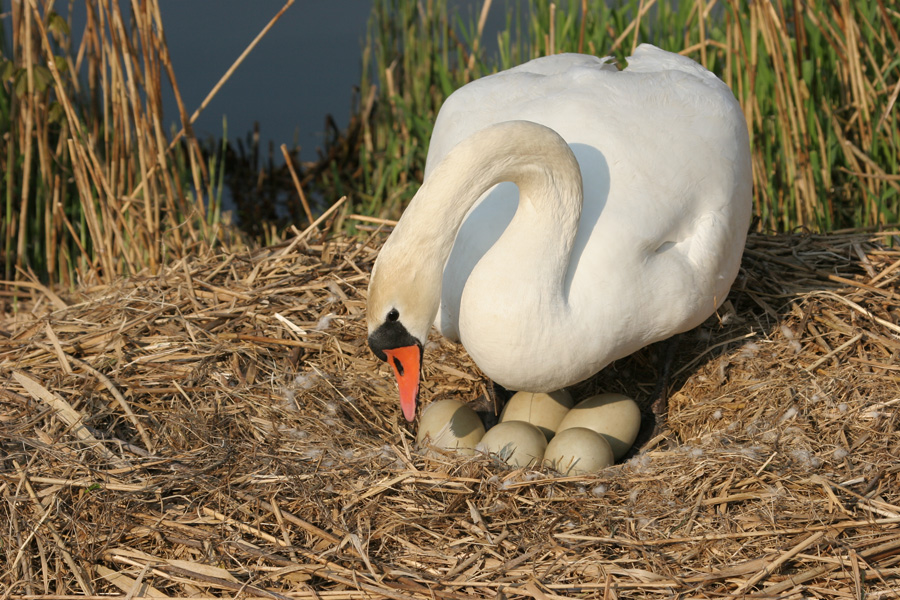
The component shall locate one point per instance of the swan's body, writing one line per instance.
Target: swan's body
(542, 288)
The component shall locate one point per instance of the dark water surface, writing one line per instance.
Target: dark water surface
(305, 67)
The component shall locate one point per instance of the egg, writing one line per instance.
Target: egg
(450, 425)
(614, 416)
(518, 443)
(544, 411)
(578, 451)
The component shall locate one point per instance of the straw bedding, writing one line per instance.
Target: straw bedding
(221, 430)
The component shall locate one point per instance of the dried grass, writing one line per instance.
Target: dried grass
(221, 430)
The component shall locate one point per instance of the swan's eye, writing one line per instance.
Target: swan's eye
(393, 315)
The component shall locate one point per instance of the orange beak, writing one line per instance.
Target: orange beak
(406, 362)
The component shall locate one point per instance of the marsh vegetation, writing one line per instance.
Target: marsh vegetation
(97, 185)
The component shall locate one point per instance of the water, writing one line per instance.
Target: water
(305, 67)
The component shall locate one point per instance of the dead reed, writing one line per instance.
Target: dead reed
(96, 185)
(219, 429)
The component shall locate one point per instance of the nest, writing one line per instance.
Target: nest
(221, 430)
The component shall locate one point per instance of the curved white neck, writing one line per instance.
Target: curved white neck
(533, 157)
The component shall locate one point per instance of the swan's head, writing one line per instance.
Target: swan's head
(404, 296)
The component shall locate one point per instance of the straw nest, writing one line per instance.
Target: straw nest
(221, 430)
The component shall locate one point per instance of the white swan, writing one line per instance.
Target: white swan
(623, 224)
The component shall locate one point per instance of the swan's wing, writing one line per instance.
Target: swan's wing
(569, 83)
(679, 200)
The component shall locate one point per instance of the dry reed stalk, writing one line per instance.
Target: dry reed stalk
(479, 30)
(632, 26)
(289, 161)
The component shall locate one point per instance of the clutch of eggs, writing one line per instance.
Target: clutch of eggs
(537, 429)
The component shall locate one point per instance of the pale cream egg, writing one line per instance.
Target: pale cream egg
(518, 443)
(578, 451)
(544, 411)
(614, 416)
(450, 425)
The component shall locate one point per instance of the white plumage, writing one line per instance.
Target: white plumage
(545, 288)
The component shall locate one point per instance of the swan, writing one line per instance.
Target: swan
(571, 214)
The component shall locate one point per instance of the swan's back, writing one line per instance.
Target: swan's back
(523, 90)
(664, 155)
(563, 90)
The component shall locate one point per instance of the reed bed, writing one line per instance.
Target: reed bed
(219, 429)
